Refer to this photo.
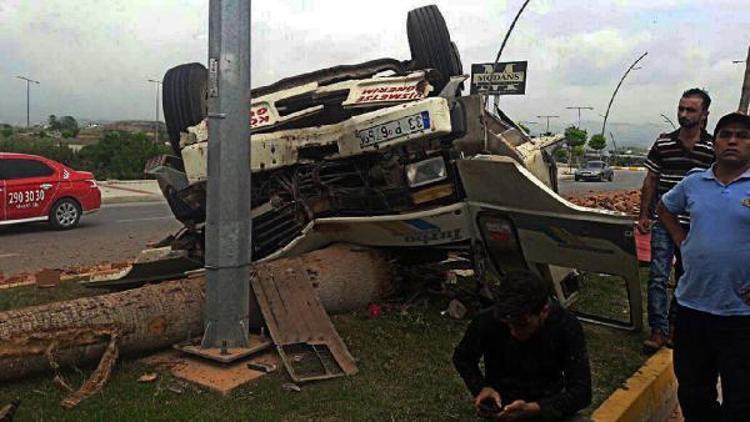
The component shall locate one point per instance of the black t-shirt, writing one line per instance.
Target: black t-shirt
(551, 368)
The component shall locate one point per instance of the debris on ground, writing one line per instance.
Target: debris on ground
(47, 278)
(626, 201)
(148, 377)
(76, 273)
(262, 367)
(7, 411)
(291, 387)
(456, 309)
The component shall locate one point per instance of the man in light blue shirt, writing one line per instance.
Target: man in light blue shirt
(712, 331)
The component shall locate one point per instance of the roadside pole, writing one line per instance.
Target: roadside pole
(745, 97)
(228, 241)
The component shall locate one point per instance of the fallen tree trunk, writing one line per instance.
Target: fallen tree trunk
(156, 316)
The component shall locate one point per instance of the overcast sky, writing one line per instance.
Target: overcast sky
(94, 57)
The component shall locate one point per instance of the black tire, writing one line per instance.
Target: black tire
(611, 177)
(184, 99)
(65, 214)
(430, 44)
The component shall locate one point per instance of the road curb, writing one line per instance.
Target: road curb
(649, 395)
(126, 199)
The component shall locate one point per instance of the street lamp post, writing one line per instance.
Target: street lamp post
(547, 117)
(579, 112)
(617, 88)
(156, 122)
(28, 82)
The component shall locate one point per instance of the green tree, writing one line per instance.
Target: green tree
(561, 154)
(68, 123)
(524, 127)
(6, 131)
(598, 142)
(52, 122)
(120, 155)
(575, 138)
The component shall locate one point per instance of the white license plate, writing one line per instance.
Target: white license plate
(397, 128)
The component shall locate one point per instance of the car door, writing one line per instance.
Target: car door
(2, 191)
(523, 224)
(30, 186)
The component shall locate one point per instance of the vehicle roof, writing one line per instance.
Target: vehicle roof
(595, 162)
(17, 155)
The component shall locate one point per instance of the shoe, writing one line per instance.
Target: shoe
(655, 342)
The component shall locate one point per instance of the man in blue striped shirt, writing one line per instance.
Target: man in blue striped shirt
(669, 159)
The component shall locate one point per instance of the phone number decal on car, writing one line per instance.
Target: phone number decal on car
(394, 129)
(25, 197)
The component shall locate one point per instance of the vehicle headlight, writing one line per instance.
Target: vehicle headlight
(426, 172)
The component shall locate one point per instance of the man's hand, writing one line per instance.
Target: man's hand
(519, 410)
(643, 224)
(488, 395)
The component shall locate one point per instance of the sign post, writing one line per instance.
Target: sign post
(504, 78)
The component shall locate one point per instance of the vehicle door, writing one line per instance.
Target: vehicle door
(522, 224)
(2, 190)
(30, 188)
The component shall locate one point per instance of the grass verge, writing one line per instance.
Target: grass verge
(405, 374)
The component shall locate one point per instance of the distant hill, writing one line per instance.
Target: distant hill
(91, 135)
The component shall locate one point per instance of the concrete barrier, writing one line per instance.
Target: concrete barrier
(650, 395)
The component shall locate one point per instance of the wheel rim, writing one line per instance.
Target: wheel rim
(66, 214)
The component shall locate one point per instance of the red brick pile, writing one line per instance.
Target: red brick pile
(627, 201)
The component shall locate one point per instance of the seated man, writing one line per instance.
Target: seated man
(535, 359)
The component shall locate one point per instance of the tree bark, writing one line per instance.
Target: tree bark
(157, 316)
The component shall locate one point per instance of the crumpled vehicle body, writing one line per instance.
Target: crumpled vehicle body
(388, 154)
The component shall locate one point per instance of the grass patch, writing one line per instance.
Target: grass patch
(404, 360)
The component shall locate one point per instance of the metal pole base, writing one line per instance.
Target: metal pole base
(256, 344)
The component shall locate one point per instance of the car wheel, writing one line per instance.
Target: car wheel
(184, 99)
(611, 177)
(430, 44)
(65, 214)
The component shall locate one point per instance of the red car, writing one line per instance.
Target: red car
(34, 188)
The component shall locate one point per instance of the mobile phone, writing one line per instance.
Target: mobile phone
(489, 407)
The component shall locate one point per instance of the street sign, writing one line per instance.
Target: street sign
(505, 78)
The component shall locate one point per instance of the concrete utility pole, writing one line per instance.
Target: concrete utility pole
(579, 112)
(617, 88)
(745, 97)
(156, 122)
(547, 117)
(28, 82)
(228, 235)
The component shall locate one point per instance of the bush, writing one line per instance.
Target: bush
(118, 155)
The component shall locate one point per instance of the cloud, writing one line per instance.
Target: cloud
(93, 57)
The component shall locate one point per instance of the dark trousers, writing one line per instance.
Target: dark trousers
(678, 272)
(707, 346)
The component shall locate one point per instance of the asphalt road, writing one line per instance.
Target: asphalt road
(116, 233)
(624, 179)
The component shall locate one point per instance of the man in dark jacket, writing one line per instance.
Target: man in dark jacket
(535, 358)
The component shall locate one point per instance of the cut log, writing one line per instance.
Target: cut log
(156, 316)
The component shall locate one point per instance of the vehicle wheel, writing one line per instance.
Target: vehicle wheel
(576, 179)
(184, 99)
(430, 44)
(611, 177)
(65, 214)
